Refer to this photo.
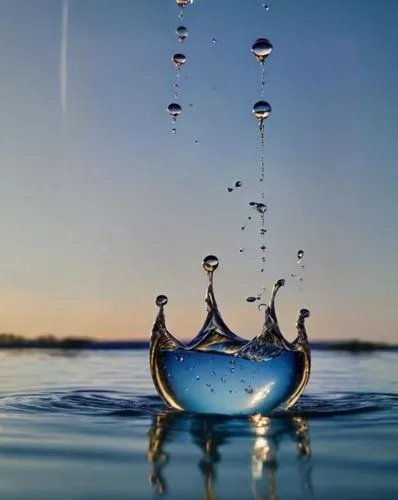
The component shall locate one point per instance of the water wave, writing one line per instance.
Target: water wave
(124, 404)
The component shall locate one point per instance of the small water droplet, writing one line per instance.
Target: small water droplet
(262, 270)
(266, 7)
(249, 389)
(251, 299)
(242, 228)
(174, 109)
(182, 33)
(230, 189)
(232, 370)
(179, 60)
(197, 377)
(238, 184)
(210, 263)
(252, 203)
(230, 392)
(300, 255)
(242, 381)
(214, 40)
(213, 373)
(301, 279)
(261, 48)
(263, 247)
(263, 259)
(263, 231)
(262, 110)
(249, 218)
(293, 275)
(173, 130)
(183, 3)
(223, 380)
(241, 250)
(196, 141)
(161, 300)
(212, 390)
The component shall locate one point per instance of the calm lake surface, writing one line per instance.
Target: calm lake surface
(90, 426)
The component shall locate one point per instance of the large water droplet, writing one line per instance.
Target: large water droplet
(179, 60)
(261, 48)
(210, 263)
(300, 255)
(161, 300)
(262, 110)
(182, 33)
(238, 184)
(261, 208)
(174, 109)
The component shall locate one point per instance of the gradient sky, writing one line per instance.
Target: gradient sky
(105, 209)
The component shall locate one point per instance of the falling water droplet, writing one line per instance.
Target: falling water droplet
(174, 110)
(251, 299)
(262, 232)
(300, 255)
(263, 247)
(197, 377)
(210, 263)
(261, 208)
(241, 250)
(229, 189)
(262, 110)
(261, 48)
(182, 33)
(196, 141)
(161, 300)
(266, 7)
(173, 130)
(179, 60)
(293, 275)
(183, 3)
(238, 184)
(214, 40)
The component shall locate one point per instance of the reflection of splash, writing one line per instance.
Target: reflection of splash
(63, 60)
(210, 433)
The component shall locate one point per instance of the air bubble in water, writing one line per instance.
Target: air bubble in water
(262, 110)
(261, 48)
(179, 60)
(182, 33)
(174, 110)
(300, 255)
(210, 263)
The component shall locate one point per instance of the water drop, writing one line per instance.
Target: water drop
(252, 203)
(174, 110)
(300, 255)
(173, 130)
(223, 380)
(230, 189)
(183, 3)
(266, 7)
(242, 228)
(210, 263)
(262, 110)
(261, 208)
(261, 48)
(197, 377)
(263, 247)
(293, 275)
(238, 184)
(249, 390)
(263, 231)
(179, 60)
(182, 33)
(161, 300)
(251, 299)
(212, 390)
(213, 373)
(196, 141)
(241, 250)
(214, 40)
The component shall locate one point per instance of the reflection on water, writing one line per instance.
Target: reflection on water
(209, 434)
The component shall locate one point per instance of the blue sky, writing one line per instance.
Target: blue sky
(103, 209)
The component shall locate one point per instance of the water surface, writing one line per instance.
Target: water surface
(89, 425)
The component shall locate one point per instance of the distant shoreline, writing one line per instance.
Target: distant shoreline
(10, 341)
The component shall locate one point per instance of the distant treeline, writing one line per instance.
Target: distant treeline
(48, 341)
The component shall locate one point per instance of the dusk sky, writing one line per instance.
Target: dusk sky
(102, 207)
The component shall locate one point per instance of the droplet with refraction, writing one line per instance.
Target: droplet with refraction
(261, 48)
(300, 255)
(174, 110)
(210, 263)
(179, 60)
(161, 300)
(182, 33)
(262, 110)
(251, 299)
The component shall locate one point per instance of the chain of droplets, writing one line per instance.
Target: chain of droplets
(261, 49)
(174, 109)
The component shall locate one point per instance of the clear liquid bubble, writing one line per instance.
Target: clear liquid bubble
(238, 184)
(174, 109)
(300, 255)
(262, 110)
(261, 48)
(181, 33)
(161, 300)
(210, 263)
(179, 60)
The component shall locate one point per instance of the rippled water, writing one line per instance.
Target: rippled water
(90, 426)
